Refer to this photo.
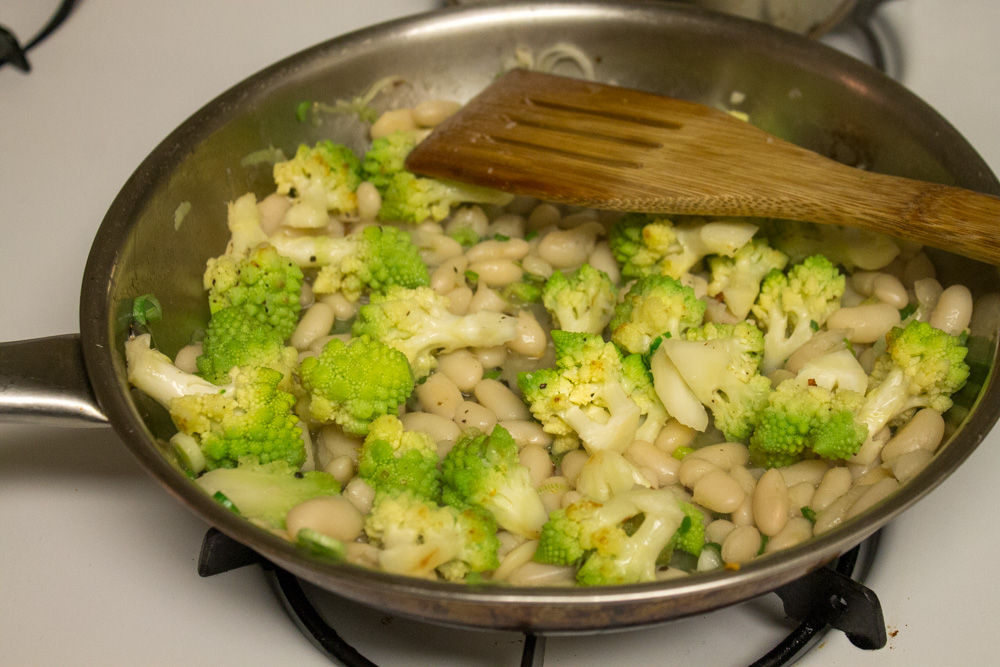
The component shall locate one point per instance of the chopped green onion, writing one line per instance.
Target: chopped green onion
(808, 513)
(318, 545)
(492, 374)
(146, 309)
(501, 237)
(532, 233)
(681, 452)
(223, 500)
(302, 111)
(685, 525)
(472, 277)
(850, 348)
(763, 544)
(908, 310)
(814, 325)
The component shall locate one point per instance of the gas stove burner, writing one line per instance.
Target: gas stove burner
(831, 597)
(11, 50)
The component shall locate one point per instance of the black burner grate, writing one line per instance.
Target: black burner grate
(831, 597)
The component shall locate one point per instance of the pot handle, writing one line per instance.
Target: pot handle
(44, 381)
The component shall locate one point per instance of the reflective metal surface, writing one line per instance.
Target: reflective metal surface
(788, 85)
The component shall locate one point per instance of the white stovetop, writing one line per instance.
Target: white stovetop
(97, 562)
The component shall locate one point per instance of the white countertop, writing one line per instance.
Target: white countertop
(97, 562)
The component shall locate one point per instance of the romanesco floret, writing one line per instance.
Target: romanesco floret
(792, 306)
(736, 280)
(638, 384)
(690, 535)
(719, 366)
(393, 460)
(253, 417)
(352, 384)
(585, 394)
(649, 245)
(599, 537)
(266, 492)
(326, 172)
(374, 258)
(407, 197)
(484, 471)
(921, 368)
(418, 323)
(416, 537)
(654, 306)
(582, 300)
(801, 420)
(235, 339)
(266, 284)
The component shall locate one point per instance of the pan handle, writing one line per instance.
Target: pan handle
(44, 381)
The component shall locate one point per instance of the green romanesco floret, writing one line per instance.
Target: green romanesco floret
(416, 537)
(267, 491)
(263, 282)
(849, 247)
(418, 323)
(791, 306)
(736, 280)
(582, 300)
(393, 460)
(921, 367)
(407, 197)
(600, 539)
(354, 383)
(235, 339)
(654, 306)
(327, 172)
(719, 367)
(802, 420)
(484, 471)
(252, 417)
(372, 259)
(690, 535)
(586, 394)
(649, 245)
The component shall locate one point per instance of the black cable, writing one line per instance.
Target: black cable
(11, 50)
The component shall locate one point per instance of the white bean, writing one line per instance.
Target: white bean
(570, 497)
(833, 515)
(799, 496)
(441, 429)
(473, 415)
(542, 574)
(459, 300)
(953, 311)
(873, 494)
(272, 209)
(486, 299)
(551, 491)
(889, 289)
(726, 455)
(526, 432)
(867, 323)
(508, 224)
(603, 259)
(514, 559)
(337, 443)
(449, 275)
(529, 338)
(342, 308)
(495, 396)
(907, 466)
(918, 268)
(718, 492)
(673, 435)
(491, 357)
(334, 516)
(741, 545)
(341, 467)
(824, 342)
(369, 201)
(536, 266)
(811, 471)
(796, 531)
(306, 297)
(468, 217)
(646, 455)
(431, 112)
(360, 495)
(567, 249)
(572, 463)
(925, 430)
(718, 530)
(187, 358)
(394, 120)
(317, 321)
(462, 367)
(438, 395)
(771, 503)
(496, 272)
(743, 515)
(836, 482)
(691, 470)
(512, 249)
(543, 215)
(537, 461)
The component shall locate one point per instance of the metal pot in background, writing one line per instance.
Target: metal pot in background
(789, 85)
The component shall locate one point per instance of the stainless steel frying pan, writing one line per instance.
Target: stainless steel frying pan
(789, 85)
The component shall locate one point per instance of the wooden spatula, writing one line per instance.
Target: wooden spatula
(579, 142)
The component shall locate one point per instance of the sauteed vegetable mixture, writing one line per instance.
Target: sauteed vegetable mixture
(444, 381)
